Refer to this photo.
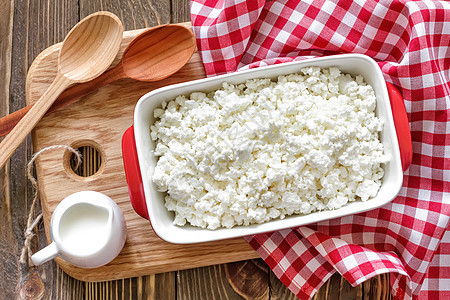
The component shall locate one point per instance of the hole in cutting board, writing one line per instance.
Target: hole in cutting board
(92, 160)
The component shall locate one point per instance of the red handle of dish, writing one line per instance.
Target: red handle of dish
(133, 173)
(401, 125)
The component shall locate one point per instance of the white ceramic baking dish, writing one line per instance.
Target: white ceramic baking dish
(139, 160)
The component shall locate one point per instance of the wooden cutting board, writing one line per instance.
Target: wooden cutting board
(99, 120)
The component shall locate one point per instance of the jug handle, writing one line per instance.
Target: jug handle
(45, 254)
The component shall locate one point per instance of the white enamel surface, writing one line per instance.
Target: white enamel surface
(161, 219)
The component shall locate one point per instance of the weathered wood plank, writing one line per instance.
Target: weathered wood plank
(6, 32)
(163, 286)
(8, 242)
(278, 291)
(36, 25)
(249, 278)
(10, 211)
(336, 287)
(180, 11)
(134, 14)
(378, 287)
(65, 287)
(160, 286)
(204, 283)
(333, 291)
(346, 291)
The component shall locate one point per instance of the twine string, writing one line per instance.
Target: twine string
(31, 221)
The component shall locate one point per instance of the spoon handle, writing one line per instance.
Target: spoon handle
(70, 95)
(24, 127)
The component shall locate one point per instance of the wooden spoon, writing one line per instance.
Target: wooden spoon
(87, 51)
(153, 55)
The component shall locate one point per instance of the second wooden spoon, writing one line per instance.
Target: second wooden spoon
(153, 55)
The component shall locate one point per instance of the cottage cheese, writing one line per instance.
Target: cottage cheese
(262, 150)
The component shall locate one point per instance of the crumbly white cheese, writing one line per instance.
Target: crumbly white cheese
(261, 150)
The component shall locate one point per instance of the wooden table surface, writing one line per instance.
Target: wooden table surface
(27, 28)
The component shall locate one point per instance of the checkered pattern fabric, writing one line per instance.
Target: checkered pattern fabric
(411, 43)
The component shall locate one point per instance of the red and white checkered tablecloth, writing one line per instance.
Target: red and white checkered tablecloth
(411, 43)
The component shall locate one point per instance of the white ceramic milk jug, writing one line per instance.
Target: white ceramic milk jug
(87, 229)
